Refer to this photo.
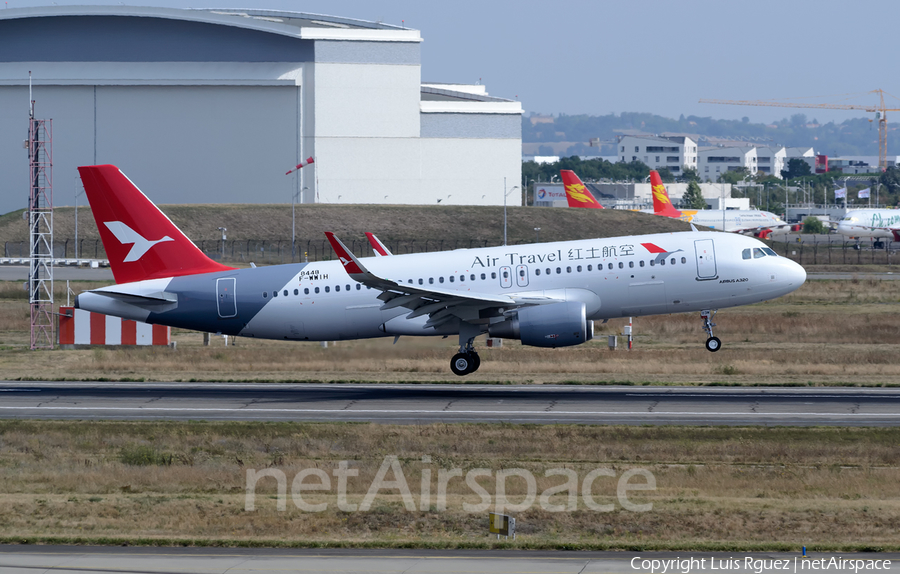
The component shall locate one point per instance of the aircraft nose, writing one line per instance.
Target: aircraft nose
(794, 273)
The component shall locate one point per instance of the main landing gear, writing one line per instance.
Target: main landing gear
(466, 360)
(713, 344)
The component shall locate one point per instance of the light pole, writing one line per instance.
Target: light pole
(293, 219)
(537, 234)
(505, 195)
(223, 230)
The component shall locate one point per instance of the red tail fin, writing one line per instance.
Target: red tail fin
(662, 205)
(140, 241)
(576, 193)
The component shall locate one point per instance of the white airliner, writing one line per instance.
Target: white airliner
(876, 224)
(733, 220)
(546, 294)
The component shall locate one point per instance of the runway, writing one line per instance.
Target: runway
(432, 403)
(106, 560)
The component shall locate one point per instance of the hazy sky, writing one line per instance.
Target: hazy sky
(599, 57)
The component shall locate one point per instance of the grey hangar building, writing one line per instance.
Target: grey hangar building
(214, 106)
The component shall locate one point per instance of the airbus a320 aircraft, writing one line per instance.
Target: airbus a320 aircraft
(734, 220)
(875, 224)
(546, 294)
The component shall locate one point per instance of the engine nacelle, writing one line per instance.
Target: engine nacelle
(555, 325)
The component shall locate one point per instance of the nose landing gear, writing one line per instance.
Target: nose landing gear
(713, 344)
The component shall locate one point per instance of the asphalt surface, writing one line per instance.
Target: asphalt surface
(106, 560)
(414, 404)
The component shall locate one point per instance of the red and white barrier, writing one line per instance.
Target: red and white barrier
(80, 327)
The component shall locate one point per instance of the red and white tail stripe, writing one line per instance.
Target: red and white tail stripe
(80, 327)
(300, 165)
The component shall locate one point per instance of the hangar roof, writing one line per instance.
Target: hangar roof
(295, 24)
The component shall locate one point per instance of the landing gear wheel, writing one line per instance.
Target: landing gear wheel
(476, 361)
(713, 344)
(461, 364)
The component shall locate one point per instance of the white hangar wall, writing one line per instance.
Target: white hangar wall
(205, 107)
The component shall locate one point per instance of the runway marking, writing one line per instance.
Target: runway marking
(439, 412)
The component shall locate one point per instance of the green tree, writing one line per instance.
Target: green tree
(734, 176)
(693, 197)
(813, 225)
(665, 175)
(690, 174)
(796, 168)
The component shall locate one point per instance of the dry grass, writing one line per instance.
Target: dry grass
(738, 486)
(828, 332)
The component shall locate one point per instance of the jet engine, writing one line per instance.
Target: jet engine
(554, 325)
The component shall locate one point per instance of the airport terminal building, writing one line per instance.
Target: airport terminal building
(214, 106)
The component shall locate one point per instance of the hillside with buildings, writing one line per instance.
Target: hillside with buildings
(564, 135)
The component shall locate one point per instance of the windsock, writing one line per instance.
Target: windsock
(303, 163)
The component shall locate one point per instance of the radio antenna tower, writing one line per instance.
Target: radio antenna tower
(40, 227)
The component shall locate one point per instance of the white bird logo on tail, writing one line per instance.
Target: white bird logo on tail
(127, 235)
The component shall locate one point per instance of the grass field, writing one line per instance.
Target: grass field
(716, 488)
(735, 488)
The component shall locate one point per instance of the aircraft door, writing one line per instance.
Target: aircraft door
(706, 259)
(226, 303)
(522, 275)
(505, 277)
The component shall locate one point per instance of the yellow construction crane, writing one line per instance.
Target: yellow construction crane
(879, 110)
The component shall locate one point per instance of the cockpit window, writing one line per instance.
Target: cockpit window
(770, 251)
(757, 253)
(746, 253)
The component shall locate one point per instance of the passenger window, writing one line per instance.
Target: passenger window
(642, 263)
(285, 292)
(348, 287)
(652, 263)
(440, 279)
(683, 260)
(537, 271)
(672, 261)
(274, 293)
(621, 265)
(578, 269)
(472, 277)
(662, 261)
(358, 286)
(296, 291)
(482, 277)
(631, 263)
(431, 280)
(493, 274)
(610, 265)
(306, 290)
(558, 270)
(590, 267)
(549, 271)
(757, 253)
(745, 254)
(506, 274)
(421, 281)
(265, 294)
(337, 288)
(521, 273)
(317, 289)
(327, 289)
(451, 279)
(568, 269)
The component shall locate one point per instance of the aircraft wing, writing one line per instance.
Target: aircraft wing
(440, 304)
